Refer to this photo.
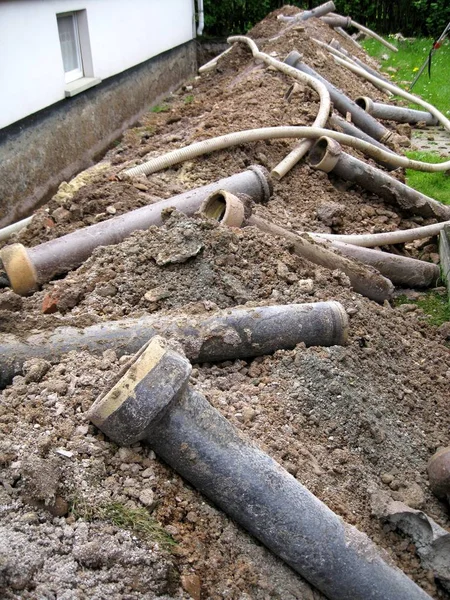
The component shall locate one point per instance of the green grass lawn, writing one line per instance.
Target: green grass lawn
(435, 90)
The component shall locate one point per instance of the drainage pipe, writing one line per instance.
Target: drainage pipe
(210, 65)
(339, 123)
(397, 91)
(326, 155)
(319, 11)
(337, 21)
(237, 138)
(154, 403)
(343, 103)
(201, 17)
(401, 270)
(388, 238)
(28, 268)
(224, 335)
(348, 37)
(364, 280)
(7, 232)
(346, 22)
(394, 113)
(301, 150)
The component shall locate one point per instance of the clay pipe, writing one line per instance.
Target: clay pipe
(153, 402)
(342, 103)
(341, 124)
(365, 280)
(327, 155)
(224, 335)
(27, 268)
(394, 113)
(401, 270)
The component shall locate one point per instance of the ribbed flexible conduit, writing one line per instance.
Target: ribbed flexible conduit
(267, 133)
(324, 108)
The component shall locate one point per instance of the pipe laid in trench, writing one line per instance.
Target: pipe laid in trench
(341, 124)
(27, 268)
(342, 103)
(394, 113)
(327, 155)
(153, 402)
(401, 270)
(224, 335)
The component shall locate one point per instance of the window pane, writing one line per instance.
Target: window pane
(67, 37)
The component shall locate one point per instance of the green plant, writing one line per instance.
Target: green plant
(435, 185)
(434, 305)
(137, 520)
(159, 108)
(189, 99)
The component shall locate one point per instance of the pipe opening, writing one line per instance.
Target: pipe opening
(362, 102)
(318, 152)
(225, 208)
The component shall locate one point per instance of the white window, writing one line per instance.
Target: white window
(70, 46)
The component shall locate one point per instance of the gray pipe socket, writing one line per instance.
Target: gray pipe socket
(337, 21)
(154, 403)
(228, 334)
(395, 113)
(341, 124)
(27, 268)
(327, 155)
(342, 103)
(318, 11)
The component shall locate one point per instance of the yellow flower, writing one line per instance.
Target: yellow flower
(415, 69)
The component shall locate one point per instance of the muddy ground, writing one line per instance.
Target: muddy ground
(76, 509)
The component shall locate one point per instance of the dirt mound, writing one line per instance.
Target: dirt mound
(83, 518)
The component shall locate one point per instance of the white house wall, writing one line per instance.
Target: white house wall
(122, 34)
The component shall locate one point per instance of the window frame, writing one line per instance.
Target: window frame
(78, 73)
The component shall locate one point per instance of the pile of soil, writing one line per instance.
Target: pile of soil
(83, 518)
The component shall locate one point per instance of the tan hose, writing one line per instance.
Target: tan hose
(373, 35)
(210, 65)
(267, 133)
(397, 91)
(7, 232)
(324, 108)
(370, 240)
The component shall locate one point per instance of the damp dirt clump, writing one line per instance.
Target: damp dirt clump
(83, 518)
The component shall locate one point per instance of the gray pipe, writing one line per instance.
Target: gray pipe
(394, 113)
(337, 46)
(318, 11)
(341, 124)
(337, 21)
(28, 268)
(327, 156)
(343, 103)
(229, 334)
(401, 270)
(153, 402)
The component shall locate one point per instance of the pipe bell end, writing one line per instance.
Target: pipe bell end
(19, 268)
(224, 207)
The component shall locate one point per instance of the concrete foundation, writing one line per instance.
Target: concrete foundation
(41, 151)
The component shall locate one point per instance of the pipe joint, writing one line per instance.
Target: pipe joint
(325, 154)
(225, 208)
(19, 268)
(365, 103)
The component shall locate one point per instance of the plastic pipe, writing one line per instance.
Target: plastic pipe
(348, 37)
(398, 92)
(401, 270)
(337, 21)
(7, 232)
(370, 240)
(224, 207)
(363, 279)
(229, 140)
(28, 268)
(201, 17)
(224, 335)
(444, 254)
(210, 65)
(343, 103)
(319, 11)
(153, 402)
(394, 113)
(326, 155)
(340, 123)
(300, 151)
(373, 35)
